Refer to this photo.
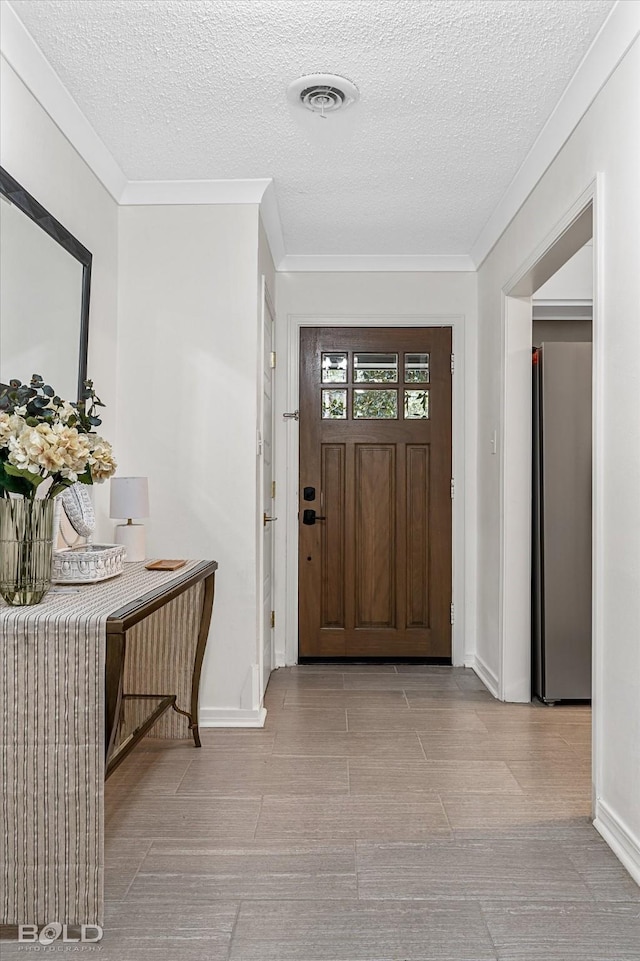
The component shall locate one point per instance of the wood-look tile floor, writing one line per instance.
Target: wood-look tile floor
(383, 814)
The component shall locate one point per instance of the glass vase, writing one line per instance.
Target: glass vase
(26, 549)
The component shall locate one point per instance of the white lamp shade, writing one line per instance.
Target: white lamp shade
(129, 497)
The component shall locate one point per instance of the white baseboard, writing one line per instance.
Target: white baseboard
(486, 675)
(231, 717)
(620, 839)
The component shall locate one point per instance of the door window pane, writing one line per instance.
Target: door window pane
(375, 404)
(375, 368)
(334, 404)
(334, 368)
(416, 368)
(416, 404)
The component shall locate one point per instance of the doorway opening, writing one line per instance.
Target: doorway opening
(578, 228)
(463, 455)
(561, 589)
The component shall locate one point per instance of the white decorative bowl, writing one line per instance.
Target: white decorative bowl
(88, 563)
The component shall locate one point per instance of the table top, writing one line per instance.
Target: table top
(120, 601)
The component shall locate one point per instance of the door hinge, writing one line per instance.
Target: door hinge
(453, 363)
(273, 358)
(453, 488)
(273, 618)
(273, 490)
(452, 614)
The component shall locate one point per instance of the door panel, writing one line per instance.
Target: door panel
(375, 504)
(417, 527)
(375, 443)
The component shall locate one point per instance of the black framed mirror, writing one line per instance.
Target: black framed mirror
(45, 286)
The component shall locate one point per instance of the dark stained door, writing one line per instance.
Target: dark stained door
(375, 468)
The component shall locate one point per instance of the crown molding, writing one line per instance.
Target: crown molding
(143, 193)
(615, 37)
(413, 263)
(611, 43)
(172, 192)
(26, 58)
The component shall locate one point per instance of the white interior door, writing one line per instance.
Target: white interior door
(267, 490)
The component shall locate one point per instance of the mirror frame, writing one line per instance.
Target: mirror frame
(23, 200)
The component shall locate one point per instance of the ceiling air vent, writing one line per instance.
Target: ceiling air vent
(322, 93)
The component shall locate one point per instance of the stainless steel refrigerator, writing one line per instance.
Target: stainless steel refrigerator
(561, 582)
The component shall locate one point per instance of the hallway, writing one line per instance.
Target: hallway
(383, 814)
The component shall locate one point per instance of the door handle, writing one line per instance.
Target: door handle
(267, 520)
(310, 517)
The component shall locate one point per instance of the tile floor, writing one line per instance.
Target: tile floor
(383, 814)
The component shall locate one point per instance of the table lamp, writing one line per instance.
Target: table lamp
(130, 498)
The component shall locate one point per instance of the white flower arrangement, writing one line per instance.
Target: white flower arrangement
(43, 436)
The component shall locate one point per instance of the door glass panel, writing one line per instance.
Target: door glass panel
(334, 404)
(416, 368)
(334, 368)
(375, 404)
(375, 368)
(416, 404)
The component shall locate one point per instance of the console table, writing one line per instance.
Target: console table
(84, 675)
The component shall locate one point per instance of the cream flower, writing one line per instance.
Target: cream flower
(26, 449)
(75, 448)
(64, 411)
(45, 444)
(19, 457)
(10, 425)
(47, 449)
(51, 459)
(102, 462)
(37, 441)
(6, 430)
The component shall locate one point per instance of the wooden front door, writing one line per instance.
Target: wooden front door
(375, 492)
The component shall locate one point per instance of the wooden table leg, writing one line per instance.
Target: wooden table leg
(205, 621)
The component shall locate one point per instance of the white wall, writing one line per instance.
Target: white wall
(187, 354)
(184, 320)
(607, 141)
(343, 298)
(41, 159)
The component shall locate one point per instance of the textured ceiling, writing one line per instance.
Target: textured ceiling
(453, 95)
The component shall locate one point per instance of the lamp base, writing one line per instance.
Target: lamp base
(132, 537)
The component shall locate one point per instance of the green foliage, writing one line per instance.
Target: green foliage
(64, 446)
(375, 404)
(372, 376)
(13, 483)
(416, 404)
(43, 405)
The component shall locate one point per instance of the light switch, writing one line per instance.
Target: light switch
(494, 442)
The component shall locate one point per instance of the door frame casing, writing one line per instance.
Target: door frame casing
(287, 467)
(266, 306)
